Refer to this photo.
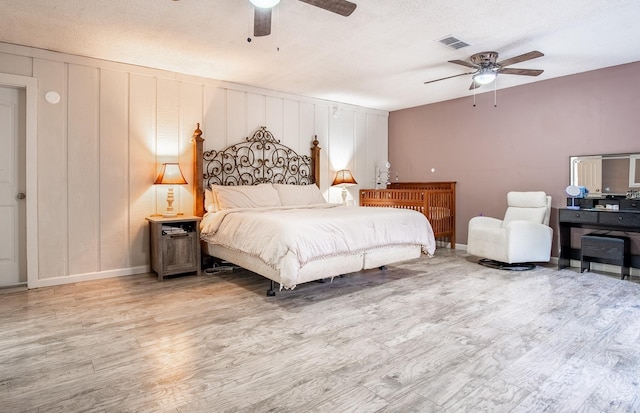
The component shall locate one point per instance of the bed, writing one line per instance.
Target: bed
(263, 211)
(436, 200)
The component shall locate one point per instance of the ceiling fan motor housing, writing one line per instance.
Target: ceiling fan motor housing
(484, 59)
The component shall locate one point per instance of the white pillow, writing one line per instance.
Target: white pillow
(291, 195)
(210, 203)
(246, 196)
(532, 199)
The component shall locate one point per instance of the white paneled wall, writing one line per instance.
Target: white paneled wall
(114, 169)
(83, 169)
(53, 165)
(101, 147)
(141, 164)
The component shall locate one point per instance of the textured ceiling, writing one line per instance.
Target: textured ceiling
(378, 57)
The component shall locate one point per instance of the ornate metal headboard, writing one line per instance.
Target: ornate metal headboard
(259, 159)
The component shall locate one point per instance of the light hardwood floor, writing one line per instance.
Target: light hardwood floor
(440, 334)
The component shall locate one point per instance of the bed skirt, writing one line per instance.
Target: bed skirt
(322, 268)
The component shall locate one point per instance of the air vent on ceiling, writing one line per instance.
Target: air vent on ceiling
(453, 42)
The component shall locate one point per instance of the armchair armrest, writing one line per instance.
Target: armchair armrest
(529, 241)
(484, 222)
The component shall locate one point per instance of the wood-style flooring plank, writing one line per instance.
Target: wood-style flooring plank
(440, 334)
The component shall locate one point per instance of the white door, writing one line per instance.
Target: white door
(13, 262)
(587, 172)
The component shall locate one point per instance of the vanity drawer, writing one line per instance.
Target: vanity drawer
(572, 215)
(631, 204)
(622, 219)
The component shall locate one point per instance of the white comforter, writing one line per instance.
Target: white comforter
(287, 238)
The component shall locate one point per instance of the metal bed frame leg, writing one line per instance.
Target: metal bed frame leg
(271, 292)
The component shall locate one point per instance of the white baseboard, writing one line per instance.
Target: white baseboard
(49, 282)
(446, 244)
(461, 247)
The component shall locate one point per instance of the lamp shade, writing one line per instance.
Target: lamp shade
(344, 177)
(170, 175)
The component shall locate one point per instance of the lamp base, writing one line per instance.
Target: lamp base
(169, 213)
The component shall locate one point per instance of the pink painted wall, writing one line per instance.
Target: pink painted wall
(522, 144)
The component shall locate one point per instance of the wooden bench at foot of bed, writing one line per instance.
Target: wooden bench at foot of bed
(436, 200)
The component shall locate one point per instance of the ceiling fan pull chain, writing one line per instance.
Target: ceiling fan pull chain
(250, 24)
(495, 93)
(474, 97)
(277, 15)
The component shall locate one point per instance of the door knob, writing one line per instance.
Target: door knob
(21, 196)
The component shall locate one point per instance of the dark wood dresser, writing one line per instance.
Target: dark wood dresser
(626, 219)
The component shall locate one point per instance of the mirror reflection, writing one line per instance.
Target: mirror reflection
(611, 175)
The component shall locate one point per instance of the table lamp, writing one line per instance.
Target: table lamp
(170, 175)
(343, 179)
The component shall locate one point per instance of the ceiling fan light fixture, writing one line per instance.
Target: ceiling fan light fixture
(485, 76)
(265, 4)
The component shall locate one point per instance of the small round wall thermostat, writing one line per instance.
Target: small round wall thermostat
(52, 97)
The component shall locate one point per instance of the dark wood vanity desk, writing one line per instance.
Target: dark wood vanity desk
(624, 220)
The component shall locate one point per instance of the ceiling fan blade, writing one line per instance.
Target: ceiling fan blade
(464, 63)
(341, 7)
(261, 22)
(449, 77)
(523, 72)
(521, 58)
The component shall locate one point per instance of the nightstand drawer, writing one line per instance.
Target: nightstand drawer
(179, 252)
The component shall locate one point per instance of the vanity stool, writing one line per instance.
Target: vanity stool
(608, 249)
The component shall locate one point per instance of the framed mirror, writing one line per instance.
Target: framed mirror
(606, 175)
(634, 171)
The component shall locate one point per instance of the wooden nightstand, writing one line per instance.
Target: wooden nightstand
(175, 245)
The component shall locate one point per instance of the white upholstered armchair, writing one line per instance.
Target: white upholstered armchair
(523, 236)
